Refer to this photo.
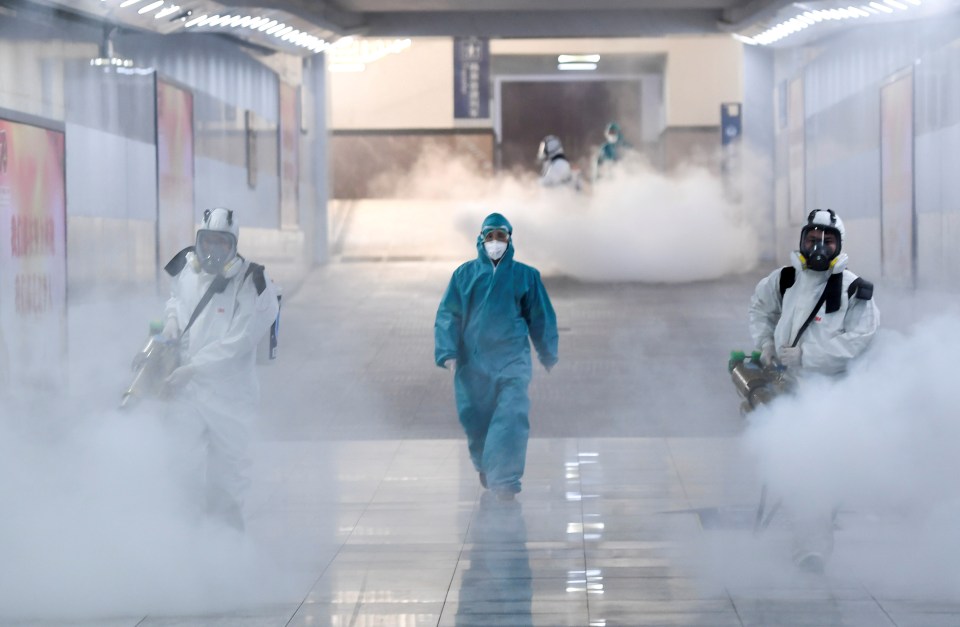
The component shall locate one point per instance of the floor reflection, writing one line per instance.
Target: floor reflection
(497, 585)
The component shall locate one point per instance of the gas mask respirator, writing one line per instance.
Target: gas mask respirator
(818, 255)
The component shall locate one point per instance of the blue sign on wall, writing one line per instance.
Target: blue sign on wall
(731, 126)
(471, 78)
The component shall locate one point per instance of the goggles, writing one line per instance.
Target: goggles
(499, 234)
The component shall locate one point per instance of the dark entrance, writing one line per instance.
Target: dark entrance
(574, 111)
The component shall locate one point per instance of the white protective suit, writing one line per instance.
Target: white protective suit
(556, 172)
(213, 411)
(832, 339)
(842, 329)
(555, 169)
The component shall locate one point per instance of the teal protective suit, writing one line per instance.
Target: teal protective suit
(612, 150)
(484, 321)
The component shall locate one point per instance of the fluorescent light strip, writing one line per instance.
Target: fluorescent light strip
(578, 58)
(151, 7)
(127, 3)
(268, 26)
(809, 18)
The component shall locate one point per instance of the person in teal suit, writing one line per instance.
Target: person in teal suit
(611, 151)
(491, 311)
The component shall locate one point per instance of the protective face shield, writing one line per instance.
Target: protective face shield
(821, 240)
(216, 244)
(550, 147)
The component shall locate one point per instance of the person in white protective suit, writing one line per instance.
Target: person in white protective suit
(214, 391)
(814, 316)
(554, 168)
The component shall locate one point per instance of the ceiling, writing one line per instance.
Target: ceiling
(523, 18)
(305, 27)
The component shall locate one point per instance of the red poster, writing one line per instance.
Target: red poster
(33, 255)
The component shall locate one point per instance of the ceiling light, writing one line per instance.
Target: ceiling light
(127, 3)
(151, 7)
(578, 58)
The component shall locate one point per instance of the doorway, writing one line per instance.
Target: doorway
(897, 214)
(576, 111)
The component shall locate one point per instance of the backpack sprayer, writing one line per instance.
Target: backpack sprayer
(152, 365)
(756, 384)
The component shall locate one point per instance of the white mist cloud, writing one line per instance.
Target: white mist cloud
(638, 224)
(93, 522)
(881, 444)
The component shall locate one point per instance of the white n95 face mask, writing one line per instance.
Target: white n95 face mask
(495, 249)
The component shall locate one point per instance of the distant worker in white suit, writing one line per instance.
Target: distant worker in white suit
(555, 170)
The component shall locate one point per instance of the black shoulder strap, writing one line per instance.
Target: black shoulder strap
(218, 284)
(175, 265)
(788, 275)
(832, 283)
(834, 292)
(861, 288)
(258, 279)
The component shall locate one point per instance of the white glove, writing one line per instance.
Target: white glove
(790, 356)
(171, 330)
(768, 356)
(451, 365)
(179, 377)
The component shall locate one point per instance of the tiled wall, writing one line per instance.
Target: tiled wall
(842, 79)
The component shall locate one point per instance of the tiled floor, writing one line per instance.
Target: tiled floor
(365, 510)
